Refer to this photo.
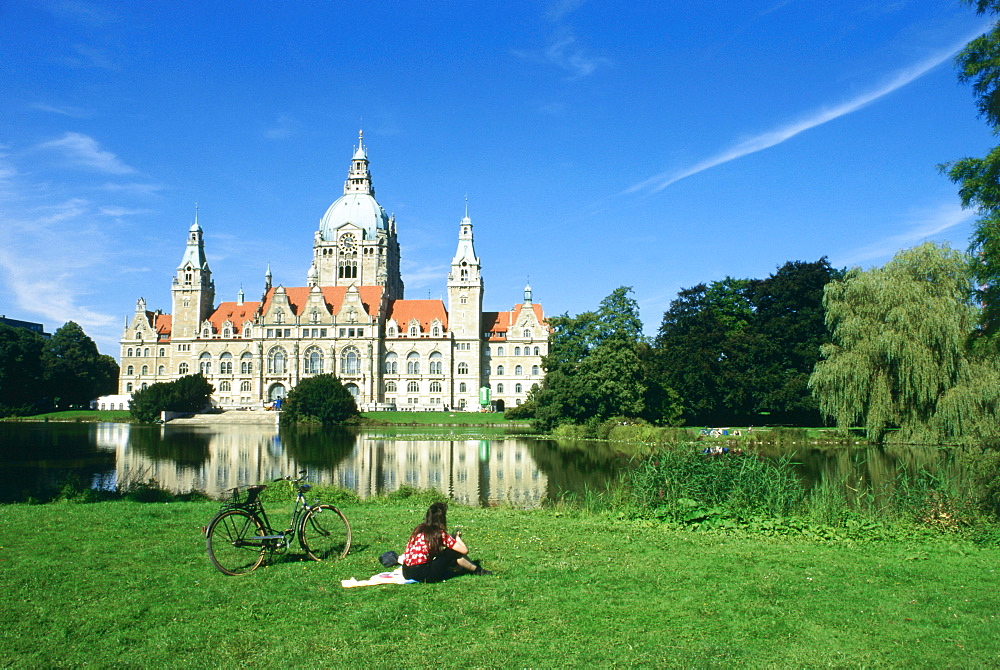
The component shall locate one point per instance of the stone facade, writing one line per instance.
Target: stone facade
(350, 319)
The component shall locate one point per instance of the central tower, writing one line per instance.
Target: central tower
(356, 240)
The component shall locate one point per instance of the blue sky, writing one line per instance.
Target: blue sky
(649, 144)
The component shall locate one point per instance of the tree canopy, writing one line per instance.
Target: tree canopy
(979, 178)
(597, 368)
(900, 357)
(741, 350)
(75, 371)
(190, 393)
(320, 399)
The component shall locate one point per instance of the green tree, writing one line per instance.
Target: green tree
(75, 372)
(320, 399)
(190, 393)
(979, 178)
(595, 368)
(900, 356)
(21, 374)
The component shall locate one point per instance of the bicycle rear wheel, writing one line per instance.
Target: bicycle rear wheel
(325, 533)
(233, 542)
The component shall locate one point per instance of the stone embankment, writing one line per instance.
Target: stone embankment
(233, 416)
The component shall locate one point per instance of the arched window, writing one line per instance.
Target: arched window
(391, 363)
(314, 361)
(247, 331)
(413, 363)
(463, 368)
(245, 387)
(390, 387)
(537, 350)
(436, 331)
(206, 332)
(518, 370)
(144, 386)
(499, 369)
(499, 351)
(183, 369)
(413, 387)
(227, 333)
(128, 352)
(462, 387)
(517, 351)
(435, 387)
(130, 370)
(534, 369)
(276, 361)
(128, 387)
(205, 364)
(163, 352)
(147, 351)
(527, 334)
(162, 370)
(225, 387)
(391, 331)
(517, 388)
(246, 364)
(488, 371)
(414, 331)
(499, 388)
(138, 336)
(350, 361)
(436, 363)
(226, 364)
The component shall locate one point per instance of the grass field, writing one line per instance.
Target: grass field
(385, 418)
(128, 584)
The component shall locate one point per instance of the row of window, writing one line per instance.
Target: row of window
(414, 331)
(517, 351)
(139, 351)
(526, 334)
(413, 364)
(518, 370)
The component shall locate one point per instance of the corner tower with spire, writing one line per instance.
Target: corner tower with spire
(192, 290)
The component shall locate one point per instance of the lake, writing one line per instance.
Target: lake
(37, 458)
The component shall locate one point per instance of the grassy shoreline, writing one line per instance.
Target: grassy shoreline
(127, 583)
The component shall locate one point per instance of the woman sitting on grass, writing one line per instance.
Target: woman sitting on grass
(432, 555)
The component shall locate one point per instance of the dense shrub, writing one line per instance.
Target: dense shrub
(320, 399)
(190, 393)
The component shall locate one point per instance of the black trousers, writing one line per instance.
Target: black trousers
(439, 568)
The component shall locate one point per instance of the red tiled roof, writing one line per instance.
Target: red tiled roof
(371, 298)
(162, 323)
(498, 323)
(235, 313)
(424, 311)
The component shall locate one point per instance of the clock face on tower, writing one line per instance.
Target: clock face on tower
(347, 242)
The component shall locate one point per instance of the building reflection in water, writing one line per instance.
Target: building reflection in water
(182, 459)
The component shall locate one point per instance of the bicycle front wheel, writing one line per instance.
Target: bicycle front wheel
(234, 543)
(325, 533)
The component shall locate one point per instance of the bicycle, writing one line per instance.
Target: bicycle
(240, 535)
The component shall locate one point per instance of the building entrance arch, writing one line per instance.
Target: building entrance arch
(354, 391)
(275, 392)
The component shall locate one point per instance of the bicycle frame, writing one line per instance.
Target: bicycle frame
(275, 540)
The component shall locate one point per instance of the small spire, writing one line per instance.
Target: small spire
(527, 294)
(466, 205)
(240, 296)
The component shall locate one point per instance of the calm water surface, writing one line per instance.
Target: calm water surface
(37, 458)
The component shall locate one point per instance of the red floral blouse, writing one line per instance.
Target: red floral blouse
(416, 548)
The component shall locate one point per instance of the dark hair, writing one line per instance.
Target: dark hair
(435, 523)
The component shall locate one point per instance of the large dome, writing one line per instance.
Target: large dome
(360, 209)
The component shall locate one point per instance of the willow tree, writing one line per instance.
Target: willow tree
(900, 356)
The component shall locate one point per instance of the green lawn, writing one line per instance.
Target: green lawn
(79, 415)
(129, 584)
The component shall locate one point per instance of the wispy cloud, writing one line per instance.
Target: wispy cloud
(89, 57)
(923, 225)
(84, 151)
(774, 137)
(72, 112)
(564, 51)
(284, 126)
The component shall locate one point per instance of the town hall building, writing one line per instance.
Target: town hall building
(350, 319)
